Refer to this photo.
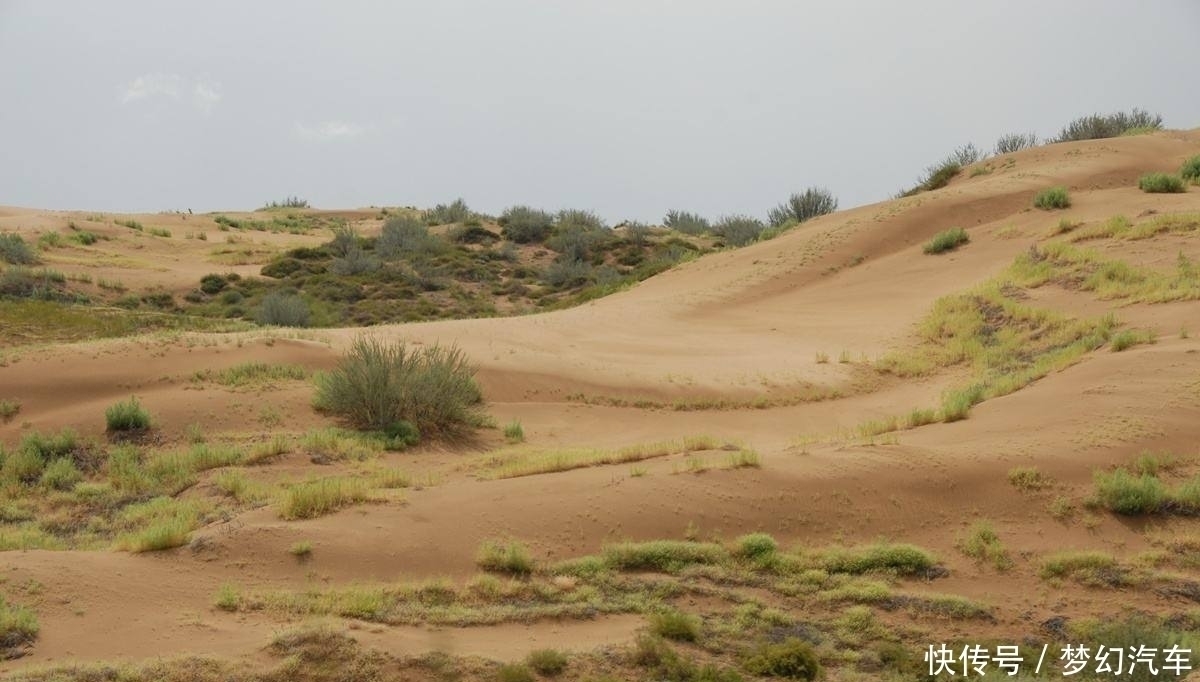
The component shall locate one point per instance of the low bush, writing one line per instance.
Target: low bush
(1161, 183)
(377, 384)
(676, 625)
(1052, 198)
(1191, 169)
(897, 558)
(1123, 493)
(514, 672)
(127, 415)
(687, 223)
(947, 240)
(792, 659)
(547, 661)
(738, 230)
(509, 557)
(444, 214)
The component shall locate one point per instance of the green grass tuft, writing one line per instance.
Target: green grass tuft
(509, 557)
(1124, 493)
(1161, 183)
(1052, 198)
(127, 415)
(676, 625)
(947, 240)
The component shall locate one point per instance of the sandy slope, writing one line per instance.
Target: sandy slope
(733, 325)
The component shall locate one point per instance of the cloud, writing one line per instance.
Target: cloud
(152, 85)
(329, 130)
(206, 95)
(171, 87)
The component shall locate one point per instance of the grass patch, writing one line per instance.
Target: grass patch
(1128, 338)
(18, 628)
(1124, 493)
(792, 659)
(514, 672)
(513, 432)
(1095, 569)
(1161, 183)
(126, 416)
(259, 374)
(983, 545)
(1086, 270)
(162, 523)
(14, 250)
(522, 462)
(301, 550)
(310, 499)
(508, 557)
(1027, 478)
(1052, 198)
(666, 556)
(676, 625)
(899, 559)
(1190, 170)
(744, 458)
(946, 240)
(549, 662)
(228, 598)
(9, 409)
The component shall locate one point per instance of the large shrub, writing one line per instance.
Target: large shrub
(1098, 126)
(687, 223)
(443, 214)
(14, 250)
(802, 206)
(738, 230)
(283, 309)
(1191, 169)
(404, 235)
(525, 225)
(377, 384)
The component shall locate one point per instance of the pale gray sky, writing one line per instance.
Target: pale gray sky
(626, 107)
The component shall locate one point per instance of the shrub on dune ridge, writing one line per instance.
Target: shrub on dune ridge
(803, 206)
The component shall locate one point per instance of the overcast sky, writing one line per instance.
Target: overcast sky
(625, 107)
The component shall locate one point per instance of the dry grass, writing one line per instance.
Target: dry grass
(517, 462)
(313, 498)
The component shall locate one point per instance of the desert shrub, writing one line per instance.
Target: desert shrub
(61, 474)
(585, 219)
(311, 499)
(793, 659)
(402, 235)
(1191, 169)
(525, 225)
(738, 230)
(654, 654)
(283, 309)
(566, 272)
(44, 284)
(547, 661)
(444, 214)
(981, 543)
(1098, 126)
(14, 250)
(127, 415)
(1161, 183)
(1015, 142)
(676, 625)
(577, 241)
(376, 384)
(661, 555)
(1128, 338)
(344, 239)
(947, 240)
(514, 672)
(897, 558)
(806, 205)
(1027, 478)
(756, 546)
(509, 557)
(1054, 197)
(356, 261)
(212, 284)
(687, 223)
(1123, 493)
(288, 202)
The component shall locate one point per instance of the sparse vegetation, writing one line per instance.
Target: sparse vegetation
(983, 545)
(1052, 198)
(1098, 126)
(1128, 338)
(1027, 478)
(1190, 170)
(947, 240)
(313, 498)
(301, 550)
(547, 662)
(18, 629)
(9, 409)
(1123, 493)
(513, 432)
(1015, 142)
(283, 310)
(14, 250)
(792, 659)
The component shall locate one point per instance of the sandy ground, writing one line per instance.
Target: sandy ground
(734, 325)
